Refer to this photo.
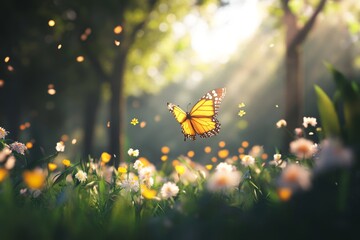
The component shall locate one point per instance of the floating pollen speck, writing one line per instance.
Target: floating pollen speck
(59, 46)
(2, 83)
(117, 43)
(108, 124)
(118, 29)
(51, 91)
(276, 105)
(7, 59)
(51, 23)
(80, 58)
(74, 141)
(10, 68)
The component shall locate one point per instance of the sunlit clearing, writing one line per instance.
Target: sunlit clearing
(207, 149)
(51, 91)
(191, 154)
(223, 153)
(118, 29)
(231, 24)
(165, 149)
(51, 23)
(80, 58)
(7, 59)
(222, 144)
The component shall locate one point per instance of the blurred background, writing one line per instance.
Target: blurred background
(80, 71)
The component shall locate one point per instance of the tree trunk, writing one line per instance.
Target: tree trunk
(118, 110)
(294, 82)
(294, 90)
(91, 110)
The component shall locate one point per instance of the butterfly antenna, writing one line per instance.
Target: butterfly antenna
(187, 108)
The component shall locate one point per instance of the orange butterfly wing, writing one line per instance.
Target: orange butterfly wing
(202, 118)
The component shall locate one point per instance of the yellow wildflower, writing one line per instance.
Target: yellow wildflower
(147, 193)
(241, 113)
(209, 167)
(66, 162)
(241, 105)
(122, 170)
(180, 169)
(52, 166)
(3, 174)
(34, 179)
(134, 121)
(105, 157)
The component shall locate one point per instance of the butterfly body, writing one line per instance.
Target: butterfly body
(201, 119)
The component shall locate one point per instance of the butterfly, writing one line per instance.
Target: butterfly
(201, 119)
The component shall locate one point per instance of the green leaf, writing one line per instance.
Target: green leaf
(328, 116)
(348, 92)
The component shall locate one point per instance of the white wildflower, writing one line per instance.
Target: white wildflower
(138, 165)
(60, 146)
(130, 185)
(10, 163)
(295, 176)
(309, 121)
(248, 160)
(277, 161)
(225, 167)
(18, 147)
(4, 153)
(303, 148)
(3, 133)
(224, 181)
(169, 190)
(281, 123)
(298, 132)
(133, 153)
(81, 176)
